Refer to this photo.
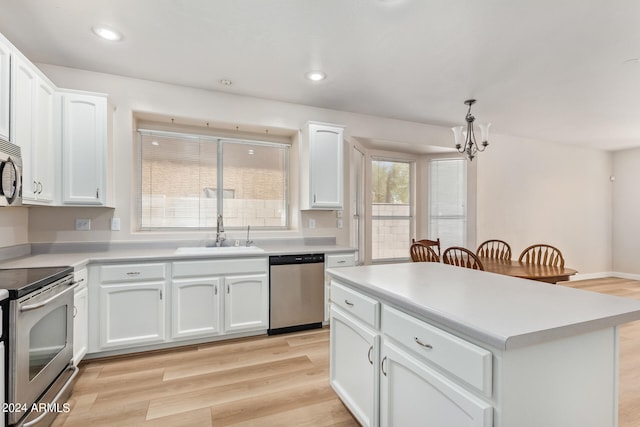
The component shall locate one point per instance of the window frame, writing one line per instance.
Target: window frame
(220, 190)
(412, 204)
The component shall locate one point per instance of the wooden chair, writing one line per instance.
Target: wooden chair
(431, 243)
(542, 254)
(462, 257)
(497, 249)
(423, 253)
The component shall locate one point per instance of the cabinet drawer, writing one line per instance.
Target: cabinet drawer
(466, 361)
(359, 305)
(132, 272)
(340, 260)
(214, 268)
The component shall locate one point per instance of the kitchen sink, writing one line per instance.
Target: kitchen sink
(220, 250)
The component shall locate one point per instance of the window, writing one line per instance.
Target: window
(391, 209)
(448, 201)
(185, 180)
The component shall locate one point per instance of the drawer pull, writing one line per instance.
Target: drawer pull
(369, 355)
(341, 262)
(349, 303)
(133, 273)
(417, 340)
(382, 366)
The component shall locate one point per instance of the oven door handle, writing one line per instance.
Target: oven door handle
(56, 398)
(41, 304)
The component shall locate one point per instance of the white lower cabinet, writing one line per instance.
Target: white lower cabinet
(431, 378)
(132, 314)
(80, 316)
(159, 303)
(246, 302)
(354, 366)
(195, 307)
(412, 393)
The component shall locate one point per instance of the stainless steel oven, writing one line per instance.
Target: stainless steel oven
(40, 345)
(10, 174)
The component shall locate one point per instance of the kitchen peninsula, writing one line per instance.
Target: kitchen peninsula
(454, 346)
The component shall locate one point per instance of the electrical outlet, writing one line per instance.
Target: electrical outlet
(312, 223)
(83, 224)
(339, 213)
(115, 224)
(340, 223)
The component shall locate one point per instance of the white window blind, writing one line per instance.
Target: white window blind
(448, 201)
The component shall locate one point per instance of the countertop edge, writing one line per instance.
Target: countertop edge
(482, 335)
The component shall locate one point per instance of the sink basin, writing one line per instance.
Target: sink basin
(220, 250)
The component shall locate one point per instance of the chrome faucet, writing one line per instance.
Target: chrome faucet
(249, 242)
(220, 231)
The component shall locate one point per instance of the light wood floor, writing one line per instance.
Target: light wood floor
(264, 381)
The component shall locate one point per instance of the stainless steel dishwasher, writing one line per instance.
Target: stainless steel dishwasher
(296, 297)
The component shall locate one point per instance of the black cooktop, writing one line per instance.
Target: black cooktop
(20, 281)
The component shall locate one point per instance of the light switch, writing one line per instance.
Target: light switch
(312, 223)
(115, 224)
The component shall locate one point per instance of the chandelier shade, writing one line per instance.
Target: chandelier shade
(465, 140)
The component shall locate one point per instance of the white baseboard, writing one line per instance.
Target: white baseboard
(626, 275)
(604, 274)
(587, 276)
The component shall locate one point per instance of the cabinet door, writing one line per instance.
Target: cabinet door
(84, 154)
(412, 394)
(42, 153)
(131, 314)
(246, 302)
(5, 90)
(326, 166)
(23, 103)
(195, 307)
(353, 366)
(80, 324)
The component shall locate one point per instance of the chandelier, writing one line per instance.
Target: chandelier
(470, 147)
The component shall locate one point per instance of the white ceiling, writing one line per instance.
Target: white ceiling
(546, 69)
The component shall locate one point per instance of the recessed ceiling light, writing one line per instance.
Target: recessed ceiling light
(315, 76)
(107, 33)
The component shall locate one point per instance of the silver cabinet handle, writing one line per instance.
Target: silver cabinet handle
(341, 262)
(35, 187)
(75, 311)
(349, 303)
(39, 187)
(369, 355)
(133, 273)
(417, 340)
(382, 366)
(215, 290)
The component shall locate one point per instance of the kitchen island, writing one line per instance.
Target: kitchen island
(446, 346)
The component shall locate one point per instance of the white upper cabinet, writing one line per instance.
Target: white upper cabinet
(84, 148)
(5, 89)
(321, 166)
(33, 110)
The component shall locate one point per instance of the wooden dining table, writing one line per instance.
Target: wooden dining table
(541, 273)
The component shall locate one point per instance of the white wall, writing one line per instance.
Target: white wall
(13, 226)
(626, 212)
(538, 192)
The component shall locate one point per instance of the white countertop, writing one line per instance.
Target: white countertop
(497, 310)
(143, 253)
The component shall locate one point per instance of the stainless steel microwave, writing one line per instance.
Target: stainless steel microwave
(10, 174)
